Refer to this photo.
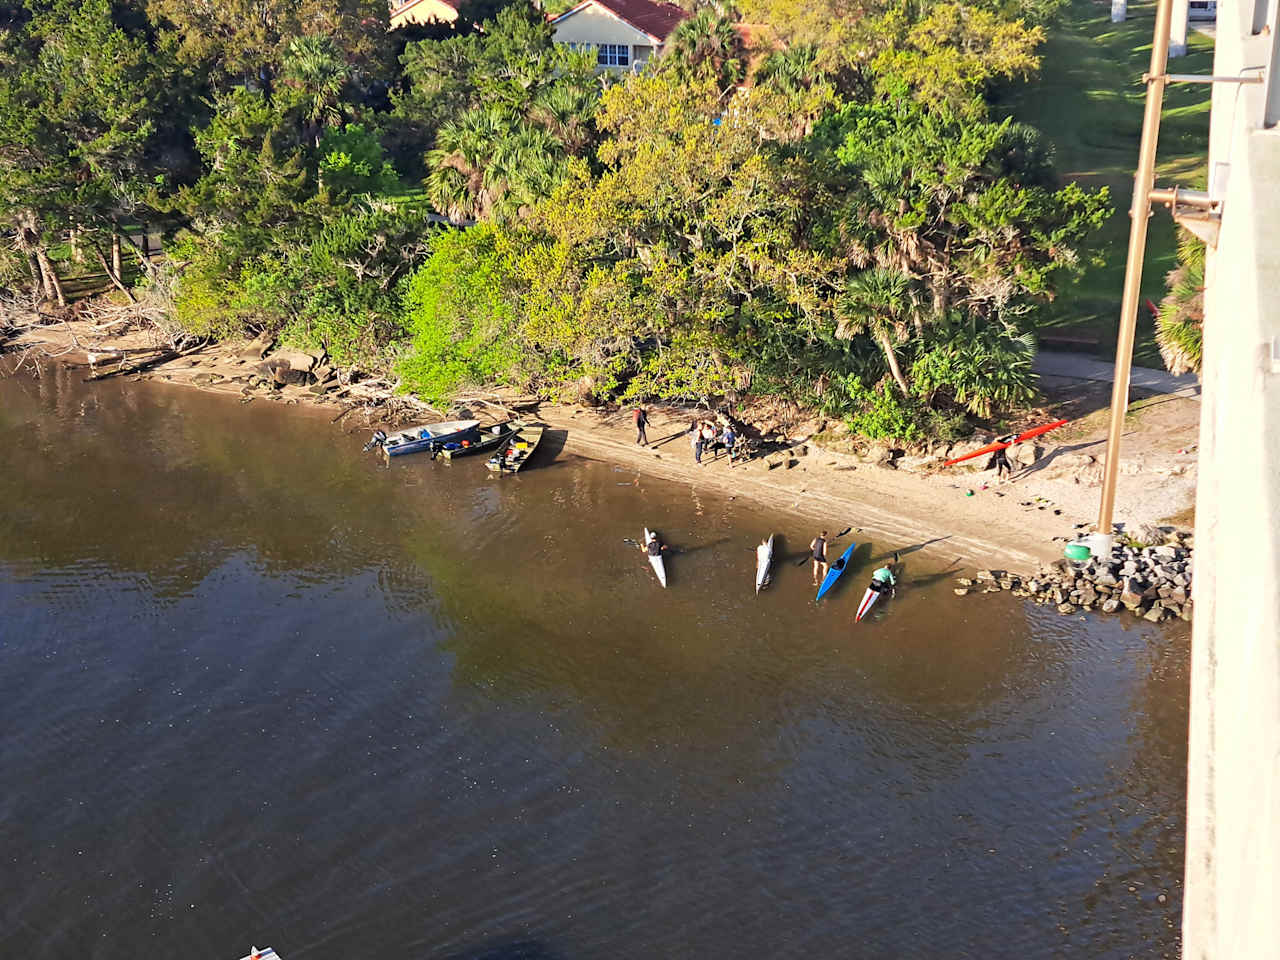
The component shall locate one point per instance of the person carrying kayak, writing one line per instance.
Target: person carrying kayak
(819, 548)
(1000, 460)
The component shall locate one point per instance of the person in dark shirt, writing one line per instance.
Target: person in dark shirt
(655, 546)
(641, 420)
(819, 548)
(1000, 460)
(726, 440)
(695, 441)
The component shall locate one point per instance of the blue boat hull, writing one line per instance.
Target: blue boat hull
(836, 570)
(425, 444)
(422, 445)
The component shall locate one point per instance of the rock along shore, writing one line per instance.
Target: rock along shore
(1152, 582)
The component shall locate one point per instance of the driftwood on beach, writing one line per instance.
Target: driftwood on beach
(157, 357)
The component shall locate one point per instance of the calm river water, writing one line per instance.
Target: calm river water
(255, 687)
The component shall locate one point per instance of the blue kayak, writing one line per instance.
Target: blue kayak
(837, 568)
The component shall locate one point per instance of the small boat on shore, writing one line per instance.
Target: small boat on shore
(659, 565)
(517, 452)
(764, 558)
(833, 574)
(425, 437)
(486, 439)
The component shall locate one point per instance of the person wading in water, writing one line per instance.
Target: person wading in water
(819, 548)
(883, 581)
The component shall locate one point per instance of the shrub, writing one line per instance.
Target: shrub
(980, 366)
(337, 288)
(460, 311)
(882, 413)
(340, 289)
(691, 364)
(351, 162)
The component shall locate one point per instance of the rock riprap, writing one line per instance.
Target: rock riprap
(1152, 582)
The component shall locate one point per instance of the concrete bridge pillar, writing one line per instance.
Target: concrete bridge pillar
(1233, 776)
(1178, 29)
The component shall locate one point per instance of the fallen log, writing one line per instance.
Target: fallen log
(163, 356)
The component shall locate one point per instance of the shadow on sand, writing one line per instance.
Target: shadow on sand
(903, 551)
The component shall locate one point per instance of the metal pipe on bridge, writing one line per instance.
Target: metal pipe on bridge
(1140, 212)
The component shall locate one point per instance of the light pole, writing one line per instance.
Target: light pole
(1140, 212)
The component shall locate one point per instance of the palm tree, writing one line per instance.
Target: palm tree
(463, 151)
(793, 70)
(313, 65)
(567, 111)
(491, 163)
(1180, 324)
(707, 45)
(879, 302)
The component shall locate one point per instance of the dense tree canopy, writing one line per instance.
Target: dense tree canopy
(949, 58)
(83, 107)
(819, 206)
(248, 40)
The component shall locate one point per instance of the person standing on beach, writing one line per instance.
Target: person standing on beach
(819, 548)
(695, 441)
(708, 435)
(641, 420)
(726, 440)
(1000, 459)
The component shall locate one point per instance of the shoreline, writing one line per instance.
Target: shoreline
(1018, 525)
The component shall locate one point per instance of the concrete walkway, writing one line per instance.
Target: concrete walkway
(1078, 366)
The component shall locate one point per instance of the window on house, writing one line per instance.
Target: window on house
(613, 54)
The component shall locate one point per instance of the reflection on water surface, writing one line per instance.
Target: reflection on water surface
(255, 687)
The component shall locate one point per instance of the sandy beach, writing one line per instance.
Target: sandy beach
(904, 500)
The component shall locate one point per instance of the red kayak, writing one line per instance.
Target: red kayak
(1001, 444)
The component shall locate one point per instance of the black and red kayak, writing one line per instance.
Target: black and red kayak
(1001, 444)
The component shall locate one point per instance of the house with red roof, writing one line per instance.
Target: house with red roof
(625, 34)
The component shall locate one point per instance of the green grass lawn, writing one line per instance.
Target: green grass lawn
(1088, 100)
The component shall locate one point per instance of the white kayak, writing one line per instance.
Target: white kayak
(659, 566)
(868, 599)
(764, 557)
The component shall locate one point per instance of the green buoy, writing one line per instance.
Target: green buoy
(1077, 551)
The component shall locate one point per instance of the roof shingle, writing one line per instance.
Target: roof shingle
(655, 19)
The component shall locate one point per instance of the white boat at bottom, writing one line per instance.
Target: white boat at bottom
(262, 953)
(659, 566)
(764, 558)
(868, 598)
